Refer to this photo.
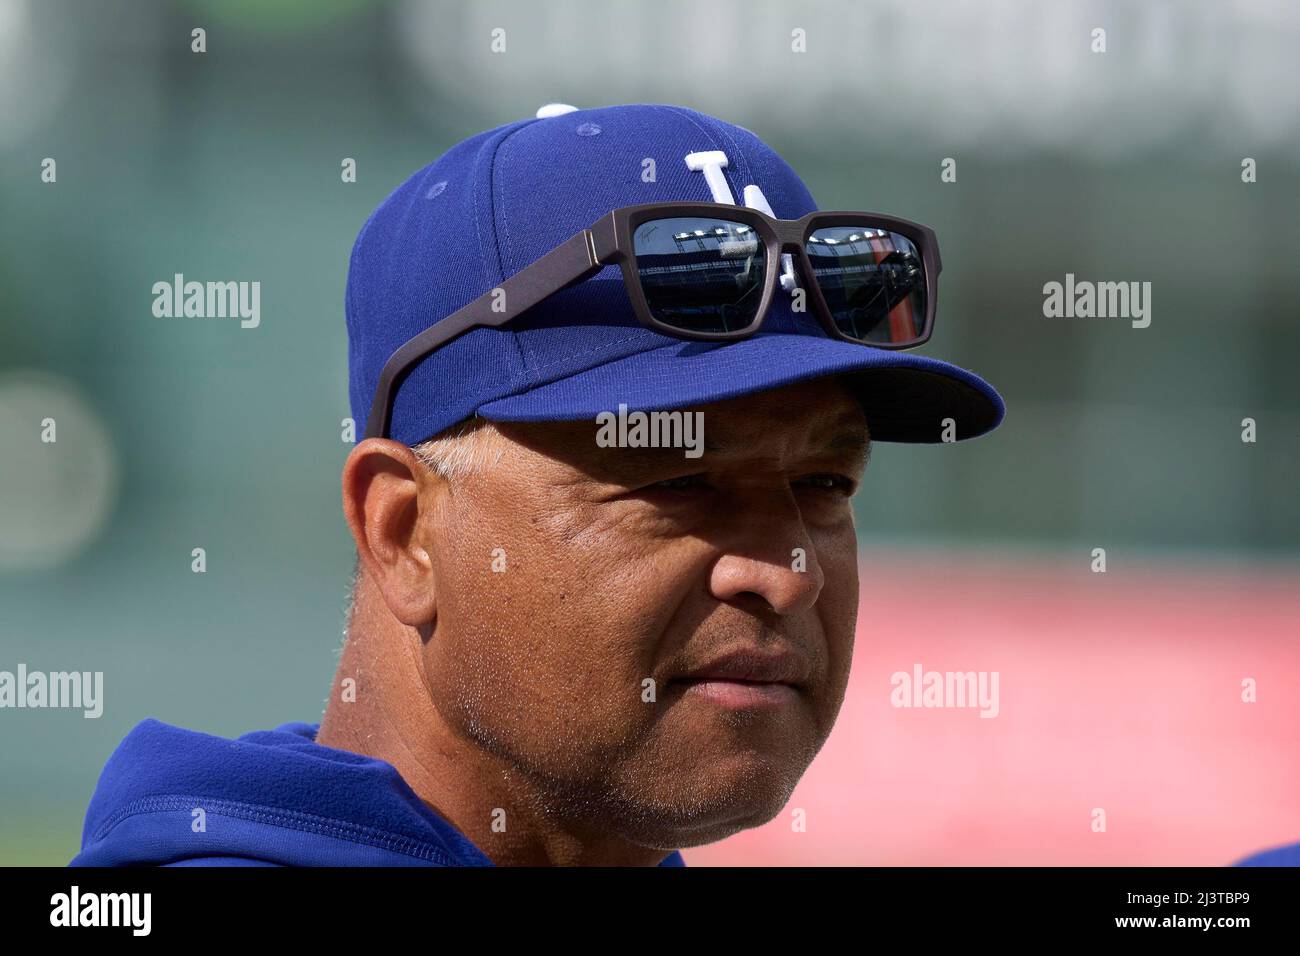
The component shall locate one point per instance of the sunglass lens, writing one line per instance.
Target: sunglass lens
(700, 274)
(873, 281)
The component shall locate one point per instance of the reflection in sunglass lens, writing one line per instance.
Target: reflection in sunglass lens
(700, 274)
(872, 280)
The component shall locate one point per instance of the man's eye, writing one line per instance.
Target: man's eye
(833, 483)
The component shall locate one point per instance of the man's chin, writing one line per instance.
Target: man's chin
(683, 834)
(713, 811)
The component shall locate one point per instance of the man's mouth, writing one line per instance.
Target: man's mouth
(741, 694)
(749, 677)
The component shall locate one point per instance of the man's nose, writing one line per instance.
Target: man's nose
(769, 555)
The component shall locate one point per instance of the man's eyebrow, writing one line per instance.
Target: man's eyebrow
(854, 441)
(625, 460)
(857, 443)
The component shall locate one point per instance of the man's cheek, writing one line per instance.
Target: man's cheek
(838, 557)
(596, 675)
(541, 685)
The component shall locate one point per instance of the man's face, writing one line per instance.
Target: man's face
(626, 566)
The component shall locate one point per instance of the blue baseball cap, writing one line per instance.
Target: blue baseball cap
(498, 201)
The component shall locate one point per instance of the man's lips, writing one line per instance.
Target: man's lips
(749, 677)
(755, 666)
(741, 694)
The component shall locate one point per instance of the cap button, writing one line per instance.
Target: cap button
(555, 109)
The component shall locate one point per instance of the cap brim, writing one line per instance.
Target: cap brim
(906, 397)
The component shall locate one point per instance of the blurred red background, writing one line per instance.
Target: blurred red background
(1120, 691)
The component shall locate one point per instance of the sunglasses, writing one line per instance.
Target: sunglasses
(710, 271)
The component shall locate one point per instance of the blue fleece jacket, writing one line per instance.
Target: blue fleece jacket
(1278, 856)
(175, 797)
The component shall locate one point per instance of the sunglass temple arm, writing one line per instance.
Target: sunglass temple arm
(573, 261)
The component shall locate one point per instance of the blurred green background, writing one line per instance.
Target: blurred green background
(1122, 166)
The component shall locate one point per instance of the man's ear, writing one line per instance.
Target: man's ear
(381, 500)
